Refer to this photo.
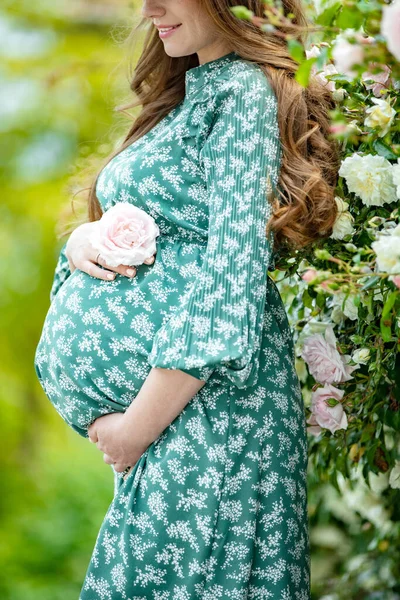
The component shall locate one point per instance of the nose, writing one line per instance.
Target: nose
(152, 8)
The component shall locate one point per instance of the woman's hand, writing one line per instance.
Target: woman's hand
(81, 255)
(111, 435)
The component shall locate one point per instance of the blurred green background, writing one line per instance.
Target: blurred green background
(63, 70)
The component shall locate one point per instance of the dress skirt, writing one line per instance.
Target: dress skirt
(216, 507)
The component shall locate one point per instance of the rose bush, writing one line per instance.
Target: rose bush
(343, 295)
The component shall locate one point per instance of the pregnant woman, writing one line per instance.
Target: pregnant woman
(183, 375)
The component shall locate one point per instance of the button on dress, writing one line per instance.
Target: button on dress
(216, 506)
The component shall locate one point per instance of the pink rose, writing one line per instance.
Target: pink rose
(381, 80)
(390, 27)
(339, 128)
(313, 427)
(309, 275)
(346, 55)
(396, 280)
(323, 415)
(325, 363)
(126, 235)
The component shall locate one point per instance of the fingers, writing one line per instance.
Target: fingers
(95, 271)
(127, 475)
(120, 467)
(121, 269)
(92, 435)
(107, 459)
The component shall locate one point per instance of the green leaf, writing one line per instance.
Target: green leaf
(370, 455)
(390, 301)
(392, 419)
(386, 331)
(384, 150)
(296, 50)
(386, 321)
(328, 15)
(370, 283)
(333, 480)
(320, 301)
(322, 254)
(350, 18)
(339, 78)
(241, 12)
(322, 58)
(332, 402)
(307, 300)
(367, 434)
(303, 72)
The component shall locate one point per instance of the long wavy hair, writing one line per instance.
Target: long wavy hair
(305, 209)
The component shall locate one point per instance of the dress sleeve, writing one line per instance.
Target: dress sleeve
(218, 324)
(61, 273)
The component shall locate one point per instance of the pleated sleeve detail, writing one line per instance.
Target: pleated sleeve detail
(218, 325)
(61, 273)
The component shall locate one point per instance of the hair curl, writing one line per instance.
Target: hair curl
(306, 209)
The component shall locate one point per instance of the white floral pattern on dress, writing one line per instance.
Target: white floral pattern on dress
(216, 507)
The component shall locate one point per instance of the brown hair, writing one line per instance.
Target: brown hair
(306, 209)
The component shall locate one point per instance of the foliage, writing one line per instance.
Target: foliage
(60, 76)
(343, 296)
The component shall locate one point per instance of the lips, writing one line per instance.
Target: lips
(169, 26)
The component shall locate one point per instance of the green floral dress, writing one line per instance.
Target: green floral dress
(216, 507)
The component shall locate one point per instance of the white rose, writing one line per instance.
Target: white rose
(125, 235)
(396, 177)
(314, 52)
(387, 250)
(394, 477)
(380, 116)
(328, 69)
(353, 127)
(370, 177)
(347, 306)
(339, 94)
(344, 220)
(361, 356)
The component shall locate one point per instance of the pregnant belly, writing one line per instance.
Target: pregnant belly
(92, 356)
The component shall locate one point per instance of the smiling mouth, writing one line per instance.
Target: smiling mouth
(169, 28)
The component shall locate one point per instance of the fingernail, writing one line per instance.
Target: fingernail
(110, 275)
(130, 272)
